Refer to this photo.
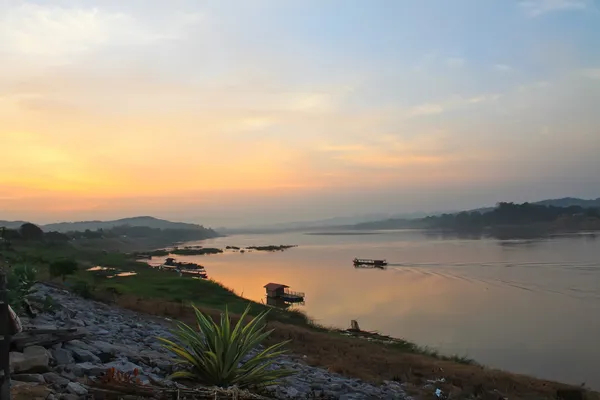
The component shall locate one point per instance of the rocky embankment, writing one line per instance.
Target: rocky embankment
(125, 340)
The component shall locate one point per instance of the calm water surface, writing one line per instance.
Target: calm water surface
(528, 306)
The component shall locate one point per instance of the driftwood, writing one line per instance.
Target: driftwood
(132, 391)
(45, 337)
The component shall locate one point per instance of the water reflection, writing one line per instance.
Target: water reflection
(530, 310)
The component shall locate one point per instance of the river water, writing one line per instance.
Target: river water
(526, 306)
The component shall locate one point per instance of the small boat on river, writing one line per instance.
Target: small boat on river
(367, 262)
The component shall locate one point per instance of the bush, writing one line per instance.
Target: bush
(62, 268)
(214, 354)
(83, 289)
(20, 279)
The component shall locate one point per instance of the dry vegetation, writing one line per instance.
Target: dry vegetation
(375, 362)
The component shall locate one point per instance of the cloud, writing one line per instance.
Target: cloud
(503, 67)
(539, 7)
(591, 73)
(426, 109)
(455, 62)
(58, 33)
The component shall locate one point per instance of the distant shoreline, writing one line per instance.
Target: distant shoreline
(342, 233)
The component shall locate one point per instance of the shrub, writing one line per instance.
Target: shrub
(63, 268)
(216, 355)
(83, 289)
(20, 279)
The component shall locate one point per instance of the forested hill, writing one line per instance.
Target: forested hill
(146, 232)
(505, 214)
(149, 222)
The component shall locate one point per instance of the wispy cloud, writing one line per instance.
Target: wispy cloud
(455, 62)
(503, 67)
(426, 109)
(539, 7)
(56, 32)
(592, 73)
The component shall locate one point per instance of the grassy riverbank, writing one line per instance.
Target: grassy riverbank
(166, 294)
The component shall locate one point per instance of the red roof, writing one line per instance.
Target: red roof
(275, 286)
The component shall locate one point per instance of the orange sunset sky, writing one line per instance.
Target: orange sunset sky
(228, 113)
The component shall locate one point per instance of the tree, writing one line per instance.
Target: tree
(63, 268)
(31, 232)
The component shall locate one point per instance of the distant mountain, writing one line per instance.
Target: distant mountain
(317, 224)
(81, 226)
(569, 202)
(12, 224)
(563, 202)
(149, 222)
(401, 223)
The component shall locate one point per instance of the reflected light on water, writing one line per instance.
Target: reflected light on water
(525, 306)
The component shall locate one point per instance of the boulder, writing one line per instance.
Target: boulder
(33, 378)
(56, 379)
(62, 356)
(82, 355)
(76, 388)
(33, 359)
(88, 369)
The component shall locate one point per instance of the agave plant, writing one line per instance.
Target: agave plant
(218, 355)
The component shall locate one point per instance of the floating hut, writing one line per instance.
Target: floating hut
(282, 292)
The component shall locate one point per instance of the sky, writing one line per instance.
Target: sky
(235, 112)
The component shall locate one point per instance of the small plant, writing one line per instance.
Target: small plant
(113, 375)
(20, 278)
(50, 305)
(83, 289)
(214, 354)
(62, 268)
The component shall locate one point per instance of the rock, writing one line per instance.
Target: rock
(77, 322)
(70, 376)
(33, 378)
(76, 388)
(82, 355)
(33, 359)
(56, 379)
(127, 341)
(69, 396)
(62, 356)
(88, 369)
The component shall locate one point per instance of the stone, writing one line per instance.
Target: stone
(70, 376)
(81, 355)
(69, 396)
(33, 378)
(51, 377)
(76, 388)
(62, 356)
(88, 369)
(31, 360)
(127, 341)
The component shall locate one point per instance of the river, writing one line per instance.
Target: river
(526, 306)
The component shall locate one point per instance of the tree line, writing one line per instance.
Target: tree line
(32, 232)
(504, 214)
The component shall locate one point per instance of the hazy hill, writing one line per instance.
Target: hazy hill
(333, 222)
(149, 222)
(563, 202)
(12, 224)
(401, 223)
(570, 201)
